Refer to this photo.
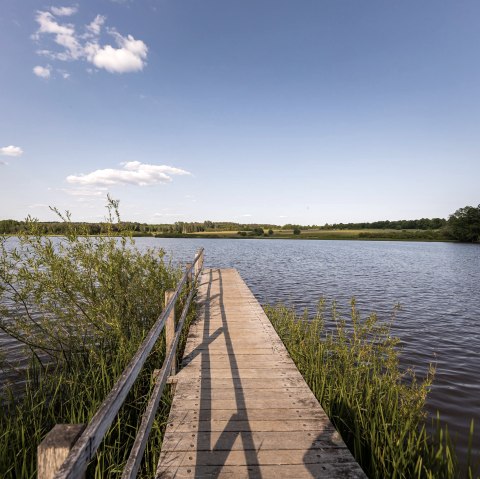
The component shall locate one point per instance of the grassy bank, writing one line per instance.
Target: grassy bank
(81, 305)
(353, 369)
(322, 234)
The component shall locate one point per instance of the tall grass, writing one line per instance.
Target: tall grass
(81, 306)
(353, 369)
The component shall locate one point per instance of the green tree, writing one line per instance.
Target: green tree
(296, 231)
(270, 232)
(464, 224)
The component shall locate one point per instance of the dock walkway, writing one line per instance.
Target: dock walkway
(241, 408)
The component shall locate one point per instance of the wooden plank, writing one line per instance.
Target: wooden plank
(178, 415)
(263, 456)
(276, 425)
(251, 394)
(264, 471)
(241, 407)
(54, 449)
(232, 441)
(252, 373)
(260, 402)
(221, 383)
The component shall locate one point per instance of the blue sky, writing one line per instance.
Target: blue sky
(251, 111)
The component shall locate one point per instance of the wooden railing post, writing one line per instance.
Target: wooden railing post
(170, 328)
(199, 263)
(189, 273)
(54, 449)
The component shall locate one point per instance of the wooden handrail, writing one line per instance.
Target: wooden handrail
(136, 453)
(87, 444)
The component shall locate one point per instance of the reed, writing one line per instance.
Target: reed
(352, 367)
(81, 306)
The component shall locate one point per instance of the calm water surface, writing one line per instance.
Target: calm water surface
(437, 284)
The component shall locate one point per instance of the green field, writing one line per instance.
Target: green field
(319, 234)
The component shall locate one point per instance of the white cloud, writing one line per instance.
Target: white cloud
(11, 151)
(129, 54)
(42, 72)
(129, 57)
(133, 172)
(63, 11)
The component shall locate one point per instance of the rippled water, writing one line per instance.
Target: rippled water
(437, 284)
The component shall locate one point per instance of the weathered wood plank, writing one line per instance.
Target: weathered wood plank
(257, 373)
(54, 449)
(277, 425)
(264, 471)
(221, 383)
(286, 394)
(264, 456)
(188, 415)
(249, 403)
(232, 441)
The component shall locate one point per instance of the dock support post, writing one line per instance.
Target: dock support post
(54, 449)
(170, 329)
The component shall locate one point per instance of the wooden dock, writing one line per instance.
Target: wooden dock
(241, 408)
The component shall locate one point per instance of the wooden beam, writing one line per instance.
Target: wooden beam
(54, 449)
(170, 329)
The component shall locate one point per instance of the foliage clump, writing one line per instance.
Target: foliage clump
(464, 224)
(353, 369)
(81, 305)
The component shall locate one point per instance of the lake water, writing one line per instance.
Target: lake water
(437, 284)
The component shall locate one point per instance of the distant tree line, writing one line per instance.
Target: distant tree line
(421, 224)
(463, 225)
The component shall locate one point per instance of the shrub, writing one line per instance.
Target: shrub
(81, 305)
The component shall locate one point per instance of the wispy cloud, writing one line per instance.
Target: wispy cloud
(64, 11)
(42, 72)
(127, 54)
(11, 151)
(94, 28)
(133, 173)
